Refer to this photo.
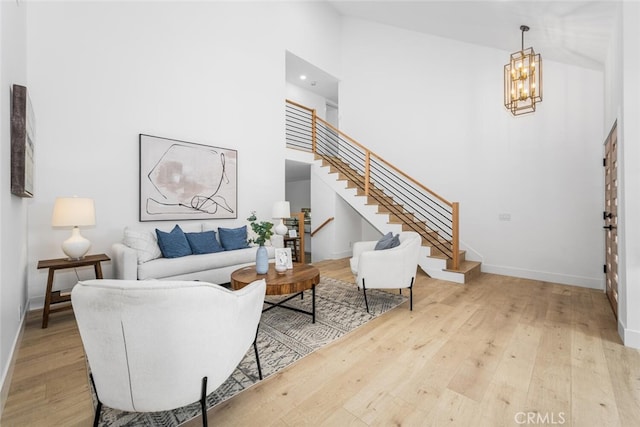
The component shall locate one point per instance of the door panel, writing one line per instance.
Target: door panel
(610, 216)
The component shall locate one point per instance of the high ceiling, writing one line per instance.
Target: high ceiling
(572, 32)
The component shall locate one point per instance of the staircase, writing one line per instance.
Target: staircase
(382, 194)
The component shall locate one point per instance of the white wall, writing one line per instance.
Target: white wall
(211, 73)
(308, 99)
(322, 207)
(335, 240)
(622, 101)
(368, 231)
(630, 315)
(434, 108)
(298, 194)
(13, 210)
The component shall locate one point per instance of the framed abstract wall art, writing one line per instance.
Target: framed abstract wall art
(183, 180)
(22, 139)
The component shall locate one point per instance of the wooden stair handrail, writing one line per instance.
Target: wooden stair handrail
(321, 226)
(299, 105)
(369, 153)
(455, 213)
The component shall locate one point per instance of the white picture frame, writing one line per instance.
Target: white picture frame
(293, 233)
(283, 257)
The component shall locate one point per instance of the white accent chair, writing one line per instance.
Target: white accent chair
(159, 345)
(388, 268)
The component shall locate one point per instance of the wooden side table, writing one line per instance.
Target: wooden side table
(59, 264)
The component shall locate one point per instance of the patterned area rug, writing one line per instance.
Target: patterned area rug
(284, 337)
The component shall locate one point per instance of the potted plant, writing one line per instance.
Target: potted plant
(263, 230)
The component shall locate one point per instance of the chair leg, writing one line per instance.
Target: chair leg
(96, 417)
(255, 349)
(411, 295)
(364, 290)
(203, 402)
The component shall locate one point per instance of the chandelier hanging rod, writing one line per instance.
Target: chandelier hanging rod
(523, 28)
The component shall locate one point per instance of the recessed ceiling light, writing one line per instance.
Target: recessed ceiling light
(303, 77)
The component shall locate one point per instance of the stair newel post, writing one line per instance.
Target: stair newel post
(455, 231)
(367, 171)
(313, 131)
(300, 216)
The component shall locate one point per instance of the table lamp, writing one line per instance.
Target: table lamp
(281, 210)
(74, 212)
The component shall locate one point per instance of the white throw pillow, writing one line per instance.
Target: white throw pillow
(144, 242)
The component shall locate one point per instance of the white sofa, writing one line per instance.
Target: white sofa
(138, 257)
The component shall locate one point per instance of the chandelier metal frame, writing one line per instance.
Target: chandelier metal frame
(523, 80)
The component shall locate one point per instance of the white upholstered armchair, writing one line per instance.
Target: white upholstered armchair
(160, 345)
(388, 268)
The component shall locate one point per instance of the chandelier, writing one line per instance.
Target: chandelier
(523, 80)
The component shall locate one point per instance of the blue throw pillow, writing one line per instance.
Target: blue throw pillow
(388, 241)
(233, 238)
(173, 244)
(203, 243)
(384, 242)
(395, 241)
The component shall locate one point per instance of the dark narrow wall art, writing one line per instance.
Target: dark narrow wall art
(22, 139)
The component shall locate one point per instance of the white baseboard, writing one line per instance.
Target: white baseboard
(564, 279)
(8, 373)
(340, 255)
(36, 303)
(630, 337)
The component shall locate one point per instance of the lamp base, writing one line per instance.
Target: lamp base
(76, 246)
(281, 229)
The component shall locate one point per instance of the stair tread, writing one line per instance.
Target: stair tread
(465, 266)
(397, 215)
(469, 269)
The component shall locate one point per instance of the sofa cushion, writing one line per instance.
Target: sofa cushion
(204, 242)
(144, 242)
(233, 238)
(165, 267)
(173, 244)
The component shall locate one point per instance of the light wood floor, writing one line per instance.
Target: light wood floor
(498, 351)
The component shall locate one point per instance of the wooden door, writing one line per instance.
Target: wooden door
(610, 216)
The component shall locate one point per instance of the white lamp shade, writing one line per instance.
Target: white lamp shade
(73, 212)
(281, 210)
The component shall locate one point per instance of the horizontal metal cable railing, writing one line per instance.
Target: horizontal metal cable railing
(406, 200)
(299, 129)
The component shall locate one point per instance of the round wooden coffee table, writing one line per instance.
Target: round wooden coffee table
(294, 281)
